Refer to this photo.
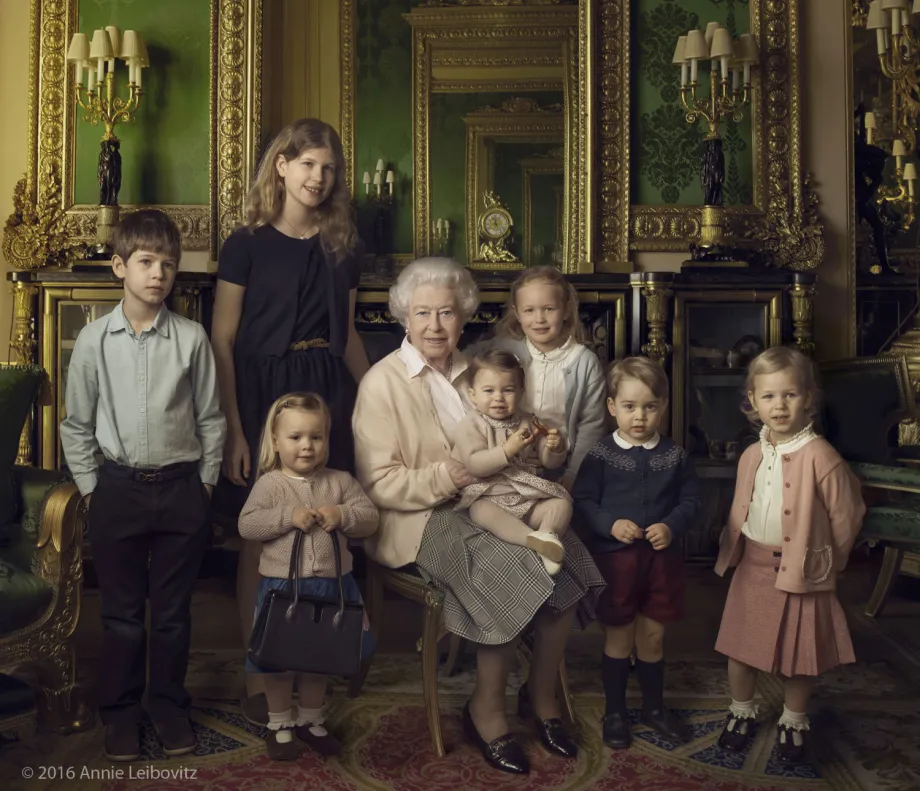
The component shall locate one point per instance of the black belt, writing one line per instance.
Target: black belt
(169, 472)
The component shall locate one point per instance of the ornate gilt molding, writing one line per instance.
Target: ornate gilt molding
(489, 30)
(518, 120)
(235, 103)
(784, 210)
(347, 121)
(613, 100)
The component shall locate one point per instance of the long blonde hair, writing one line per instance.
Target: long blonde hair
(337, 232)
(306, 402)
(510, 325)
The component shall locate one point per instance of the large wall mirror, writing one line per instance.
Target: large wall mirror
(192, 147)
(462, 100)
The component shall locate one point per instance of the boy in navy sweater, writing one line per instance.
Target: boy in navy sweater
(636, 494)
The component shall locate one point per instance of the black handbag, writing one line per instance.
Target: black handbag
(308, 634)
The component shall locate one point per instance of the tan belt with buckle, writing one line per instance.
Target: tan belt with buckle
(315, 343)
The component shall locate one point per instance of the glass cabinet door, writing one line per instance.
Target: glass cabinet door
(69, 314)
(720, 336)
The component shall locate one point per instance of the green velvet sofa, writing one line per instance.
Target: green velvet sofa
(869, 408)
(41, 528)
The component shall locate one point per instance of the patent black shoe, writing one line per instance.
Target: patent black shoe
(616, 730)
(736, 734)
(666, 723)
(789, 751)
(556, 739)
(176, 736)
(504, 753)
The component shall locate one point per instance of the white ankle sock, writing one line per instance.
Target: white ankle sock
(794, 721)
(313, 717)
(743, 709)
(282, 722)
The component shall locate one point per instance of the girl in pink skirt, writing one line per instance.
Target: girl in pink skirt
(795, 516)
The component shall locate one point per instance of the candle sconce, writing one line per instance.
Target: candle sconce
(732, 62)
(380, 200)
(99, 103)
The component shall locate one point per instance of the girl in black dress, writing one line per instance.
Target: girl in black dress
(284, 320)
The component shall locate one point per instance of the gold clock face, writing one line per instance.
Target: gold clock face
(496, 224)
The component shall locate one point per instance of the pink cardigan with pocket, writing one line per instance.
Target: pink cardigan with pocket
(822, 515)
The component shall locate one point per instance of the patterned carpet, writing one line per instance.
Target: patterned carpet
(866, 735)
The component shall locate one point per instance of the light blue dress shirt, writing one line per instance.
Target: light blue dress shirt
(144, 400)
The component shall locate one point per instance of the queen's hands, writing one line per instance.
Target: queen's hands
(459, 475)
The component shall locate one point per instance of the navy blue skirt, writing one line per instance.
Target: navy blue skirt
(315, 586)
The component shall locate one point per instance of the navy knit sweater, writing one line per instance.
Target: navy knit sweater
(642, 485)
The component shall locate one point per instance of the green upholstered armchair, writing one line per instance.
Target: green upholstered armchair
(41, 571)
(865, 402)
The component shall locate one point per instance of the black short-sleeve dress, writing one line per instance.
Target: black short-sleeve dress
(294, 292)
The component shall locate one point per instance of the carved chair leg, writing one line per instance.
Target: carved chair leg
(453, 654)
(887, 576)
(373, 605)
(430, 629)
(62, 707)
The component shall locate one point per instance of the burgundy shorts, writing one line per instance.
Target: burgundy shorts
(641, 580)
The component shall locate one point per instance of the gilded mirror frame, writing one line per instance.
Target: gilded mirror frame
(542, 22)
(516, 121)
(235, 119)
(784, 214)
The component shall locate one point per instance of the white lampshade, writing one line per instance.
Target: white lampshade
(711, 28)
(898, 149)
(679, 57)
(749, 49)
(877, 19)
(377, 179)
(890, 5)
(115, 38)
(721, 44)
(367, 177)
(101, 46)
(380, 165)
(130, 49)
(79, 48)
(910, 172)
(696, 47)
(869, 120)
(916, 8)
(391, 177)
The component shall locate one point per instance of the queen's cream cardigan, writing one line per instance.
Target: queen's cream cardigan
(400, 456)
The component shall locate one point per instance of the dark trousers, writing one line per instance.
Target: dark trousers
(148, 537)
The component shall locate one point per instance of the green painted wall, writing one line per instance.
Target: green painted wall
(383, 107)
(665, 150)
(166, 152)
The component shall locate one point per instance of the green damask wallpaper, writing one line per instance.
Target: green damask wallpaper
(383, 106)
(665, 149)
(166, 152)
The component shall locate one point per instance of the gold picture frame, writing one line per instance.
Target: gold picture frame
(235, 119)
(784, 214)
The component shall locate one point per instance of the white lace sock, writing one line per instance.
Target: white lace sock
(794, 722)
(741, 711)
(282, 722)
(315, 719)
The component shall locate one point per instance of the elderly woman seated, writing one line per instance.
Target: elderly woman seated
(405, 419)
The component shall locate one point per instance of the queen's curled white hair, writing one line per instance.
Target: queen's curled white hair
(443, 272)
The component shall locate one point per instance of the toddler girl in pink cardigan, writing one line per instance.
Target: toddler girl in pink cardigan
(508, 449)
(795, 516)
(295, 491)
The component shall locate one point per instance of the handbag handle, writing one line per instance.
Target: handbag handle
(294, 577)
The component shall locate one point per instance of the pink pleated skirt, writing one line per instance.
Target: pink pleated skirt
(792, 634)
